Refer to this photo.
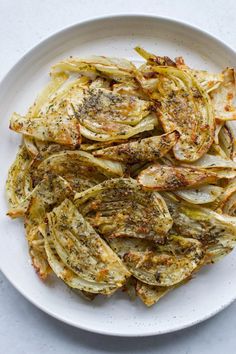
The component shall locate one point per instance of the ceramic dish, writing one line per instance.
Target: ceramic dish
(214, 287)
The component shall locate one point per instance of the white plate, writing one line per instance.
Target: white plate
(215, 286)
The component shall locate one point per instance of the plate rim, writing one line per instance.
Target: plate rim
(5, 78)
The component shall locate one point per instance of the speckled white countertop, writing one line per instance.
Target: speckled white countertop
(23, 328)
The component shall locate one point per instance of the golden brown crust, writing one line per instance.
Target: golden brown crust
(148, 149)
(167, 178)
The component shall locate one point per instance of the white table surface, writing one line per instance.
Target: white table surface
(23, 328)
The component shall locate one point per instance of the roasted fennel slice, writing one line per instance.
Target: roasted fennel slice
(46, 94)
(161, 177)
(120, 70)
(61, 130)
(19, 183)
(51, 190)
(119, 208)
(81, 169)
(44, 149)
(122, 131)
(201, 195)
(227, 140)
(107, 116)
(78, 255)
(51, 117)
(150, 294)
(42, 99)
(184, 105)
(34, 216)
(227, 201)
(209, 81)
(57, 104)
(147, 149)
(60, 104)
(159, 265)
(217, 232)
(223, 97)
(223, 167)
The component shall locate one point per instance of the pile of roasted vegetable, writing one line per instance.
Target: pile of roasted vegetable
(126, 176)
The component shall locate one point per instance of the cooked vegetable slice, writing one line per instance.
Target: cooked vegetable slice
(227, 201)
(120, 70)
(147, 149)
(119, 208)
(217, 232)
(169, 265)
(209, 81)
(160, 177)
(125, 132)
(103, 106)
(223, 167)
(43, 98)
(62, 130)
(160, 265)
(70, 278)
(226, 143)
(49, 191)
(104, 112)
(91, 261)
(61, 103)
(227, 140)
(55, 83)
(223, 97)
(184, 105)
(35, 215)
(18, 183)
(58, 162)
(150, 294)
(201, 195)
(81, 169)
(215, 163)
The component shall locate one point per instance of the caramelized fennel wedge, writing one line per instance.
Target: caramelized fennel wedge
(147, 149)
(223, 97)
(159, 265)
(19, 184)
(61, 130)
(161, 178)
(120, 207)
(217, 232)
(184, 105)
(87, 256)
